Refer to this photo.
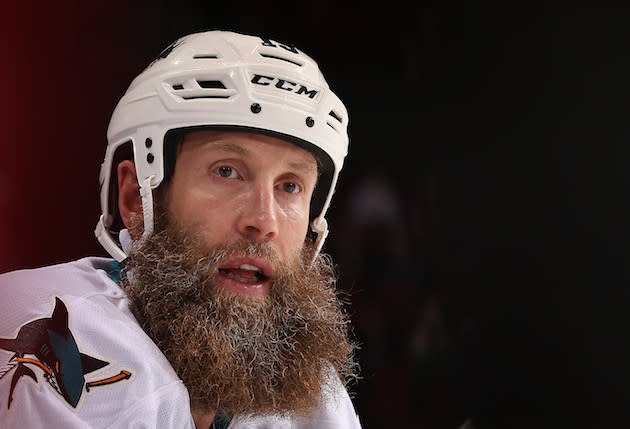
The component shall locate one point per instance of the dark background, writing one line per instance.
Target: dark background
(481, 223)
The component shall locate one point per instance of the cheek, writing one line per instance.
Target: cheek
(206, 212)
(295, 218)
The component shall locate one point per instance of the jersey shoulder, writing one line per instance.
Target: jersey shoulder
(28, 292)
(72, 351)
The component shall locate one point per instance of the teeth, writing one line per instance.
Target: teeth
(239, 278)
(249, 267)
(257, 277)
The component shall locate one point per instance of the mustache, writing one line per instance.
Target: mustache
(194, 251)
(222, 254)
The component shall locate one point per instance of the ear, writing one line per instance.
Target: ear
(129, 199)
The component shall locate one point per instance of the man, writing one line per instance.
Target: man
(218, 310)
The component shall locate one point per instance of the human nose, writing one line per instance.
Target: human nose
(258, 220)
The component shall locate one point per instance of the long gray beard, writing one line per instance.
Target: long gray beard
(241, 354)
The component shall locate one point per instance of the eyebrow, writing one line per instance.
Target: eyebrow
(305, 167)
(302, 166)
(231, 147)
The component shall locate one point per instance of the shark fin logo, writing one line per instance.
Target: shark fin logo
(47, 345)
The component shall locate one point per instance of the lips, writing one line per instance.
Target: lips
(246, 275)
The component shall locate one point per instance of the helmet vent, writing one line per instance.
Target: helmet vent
(196, 97)
(201, 88)
(336, 116)
(215, 84)
(206, 57)
(275, 57)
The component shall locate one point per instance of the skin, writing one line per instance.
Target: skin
(232, 186)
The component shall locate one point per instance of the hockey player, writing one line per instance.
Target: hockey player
(217, 309)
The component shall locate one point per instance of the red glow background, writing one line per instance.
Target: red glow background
(65, 66)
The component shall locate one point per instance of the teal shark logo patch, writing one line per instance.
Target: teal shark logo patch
(47, 346)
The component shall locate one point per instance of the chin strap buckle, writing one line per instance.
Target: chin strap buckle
(320, 227)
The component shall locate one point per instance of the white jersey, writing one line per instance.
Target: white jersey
(72, 355)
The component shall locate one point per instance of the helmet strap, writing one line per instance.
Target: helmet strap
(147, 205)
(106, 240)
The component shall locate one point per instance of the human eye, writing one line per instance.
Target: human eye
(226, 172)
(290, 187)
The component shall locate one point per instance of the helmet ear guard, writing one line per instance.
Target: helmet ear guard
(222, 80)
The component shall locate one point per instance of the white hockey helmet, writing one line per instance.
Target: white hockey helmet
(230, 81)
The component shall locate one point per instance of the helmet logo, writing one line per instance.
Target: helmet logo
(284, 84)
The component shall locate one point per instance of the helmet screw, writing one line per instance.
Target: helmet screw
(148, 142)
(310, 122)
(150, 158)
(255, 108)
